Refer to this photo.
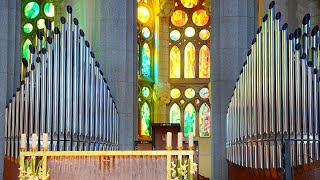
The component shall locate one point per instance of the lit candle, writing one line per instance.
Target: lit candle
(23, 141)
(179, 138)
(45, 140)
(169, 139)
(34, 140)
(190, 139)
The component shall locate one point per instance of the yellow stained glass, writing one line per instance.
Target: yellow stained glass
(204, 62)
(174, 62)
(189, 61)
(189, 93)
(143, 14)
(189, 31)
(200, 17)
(175, 93)
(204, 34)
(189, 3)
(179, 18)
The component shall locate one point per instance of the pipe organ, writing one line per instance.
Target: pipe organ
(276, 97)
(63, 93)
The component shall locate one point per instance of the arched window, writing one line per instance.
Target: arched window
(189, 119)
(34, 13)
(175, 113)
(189, 75)
(204, 120)
(145, 59)
(145, 119)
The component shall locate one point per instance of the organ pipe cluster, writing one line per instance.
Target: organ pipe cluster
(276, 97)
(63, 93)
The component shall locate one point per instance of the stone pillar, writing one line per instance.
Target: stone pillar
(10, 60)
(233, 27)
(110, 27)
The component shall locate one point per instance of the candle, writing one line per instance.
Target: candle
(190, 139)
(34, 140)
(169, 139)
(179, 138)
(23, 141)
(45, 140)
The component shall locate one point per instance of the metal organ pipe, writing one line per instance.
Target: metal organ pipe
(63, 92)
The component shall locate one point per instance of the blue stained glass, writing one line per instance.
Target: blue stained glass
(145, 66)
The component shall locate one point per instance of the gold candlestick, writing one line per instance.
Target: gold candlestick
(168, 148)
(190, 147)
(23, 149)
(34, 149)
(180, 147)
(44, 149)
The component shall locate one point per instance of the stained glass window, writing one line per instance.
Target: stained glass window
(175, 35)
(189, 93)
(204, 93)
(189, 119)
(48, 9)
(175, 93)
(189, 61)
(145, 92)
(190, 31)
(174, 62)
(189, 66)
(204, 62)
(145, 32)
(143, 14)
(204, 34)
(25, 49)
(145, 119)
(27, 28)
(179, 18)
(41, 24)
(145, 66)
(175, 114)
(34, 14)
(204, 120)
(200, 17)
(189, 3)
(145, 60)
(31, 10)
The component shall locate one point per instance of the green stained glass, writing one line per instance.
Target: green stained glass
(204, 120)
(189, 119)
(41, 24)
(31, 10)
(25, 49)
(27, 28)
(145, 64)
(145, 91)
(145, 32)
(145, 119)
(175, 113)
(48, 9)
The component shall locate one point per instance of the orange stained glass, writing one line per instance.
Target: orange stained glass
(204, 34)
(179, 18)
(204, 62)
(143, 14)
(189, 3)
(189, 61)
(174, 62)
(200, 17)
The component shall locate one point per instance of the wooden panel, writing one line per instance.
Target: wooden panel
(11, 170)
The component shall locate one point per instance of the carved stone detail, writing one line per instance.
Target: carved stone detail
(166, 8)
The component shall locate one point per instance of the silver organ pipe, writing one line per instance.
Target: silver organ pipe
(63, 93)
(276, 97)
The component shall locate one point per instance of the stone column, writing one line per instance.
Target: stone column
(10, 60)
(233, 26)
(110, 27)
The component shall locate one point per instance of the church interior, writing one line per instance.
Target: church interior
(159, 89)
